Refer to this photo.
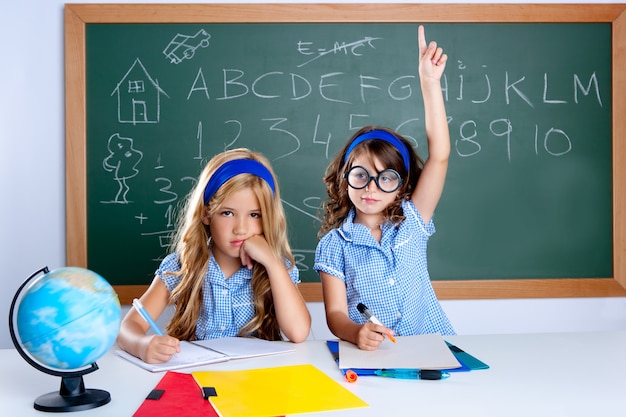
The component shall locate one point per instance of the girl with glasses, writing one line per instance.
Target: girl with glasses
(377, 221)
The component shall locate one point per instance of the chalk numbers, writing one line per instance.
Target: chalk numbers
(551, 141)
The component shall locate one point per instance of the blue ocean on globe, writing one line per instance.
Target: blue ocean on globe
(68, 318)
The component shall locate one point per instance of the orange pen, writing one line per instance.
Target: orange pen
(351, 376)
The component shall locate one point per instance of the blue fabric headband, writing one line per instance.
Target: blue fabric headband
(387, 137)
(233, 168)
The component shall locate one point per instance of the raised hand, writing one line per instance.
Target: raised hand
(432, 60)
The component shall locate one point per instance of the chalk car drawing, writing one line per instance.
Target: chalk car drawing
(183, 47)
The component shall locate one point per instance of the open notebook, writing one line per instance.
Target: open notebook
(204, 352)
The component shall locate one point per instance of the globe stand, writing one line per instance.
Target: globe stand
(72, 395)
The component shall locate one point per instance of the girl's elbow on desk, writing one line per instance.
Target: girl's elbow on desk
(298, 338)
(299, 333)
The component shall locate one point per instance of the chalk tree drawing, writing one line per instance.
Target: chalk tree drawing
(184, 46)
(122, 161)
(138, 96)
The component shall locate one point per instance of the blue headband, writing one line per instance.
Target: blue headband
(387, 137)
(233, 168)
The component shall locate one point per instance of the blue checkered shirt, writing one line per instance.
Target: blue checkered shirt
(390, 278)
(227, 303)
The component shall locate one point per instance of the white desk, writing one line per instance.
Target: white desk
(556, 375)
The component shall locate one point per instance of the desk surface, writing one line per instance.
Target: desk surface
(565, 374)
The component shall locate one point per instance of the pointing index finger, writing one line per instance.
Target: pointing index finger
(421, 39)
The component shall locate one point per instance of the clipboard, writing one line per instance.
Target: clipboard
(468, 362)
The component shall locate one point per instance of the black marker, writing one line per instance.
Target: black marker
(365, 312)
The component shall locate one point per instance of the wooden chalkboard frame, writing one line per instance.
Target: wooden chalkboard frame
(77, 16)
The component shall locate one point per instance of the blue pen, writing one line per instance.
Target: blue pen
(412, 374)
(143, 313)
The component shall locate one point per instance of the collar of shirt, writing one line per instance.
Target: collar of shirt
(358, 233)
(216, 277)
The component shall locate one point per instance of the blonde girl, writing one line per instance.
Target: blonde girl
(232, 272)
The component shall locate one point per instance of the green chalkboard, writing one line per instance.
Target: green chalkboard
(529, 190)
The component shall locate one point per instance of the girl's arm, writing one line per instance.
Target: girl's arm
(432, 64)
(291, 310)
(367, 336)
(132, 336)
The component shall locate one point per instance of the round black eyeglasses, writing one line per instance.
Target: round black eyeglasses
(387, 180)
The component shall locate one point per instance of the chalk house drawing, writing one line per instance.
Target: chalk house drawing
(122, 161)
(184, 46)
(138, 96)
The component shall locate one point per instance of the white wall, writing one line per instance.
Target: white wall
(32, 182)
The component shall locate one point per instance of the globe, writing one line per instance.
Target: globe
(66, 320)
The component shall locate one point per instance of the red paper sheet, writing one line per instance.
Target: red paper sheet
(181, 397)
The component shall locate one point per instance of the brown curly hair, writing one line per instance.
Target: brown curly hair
(337, 206)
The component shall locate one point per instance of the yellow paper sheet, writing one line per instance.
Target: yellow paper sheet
(276, 391)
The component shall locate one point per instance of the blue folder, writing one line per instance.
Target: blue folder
(468, 361)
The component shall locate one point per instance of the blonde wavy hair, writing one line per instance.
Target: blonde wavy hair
(191, 246)
(337, 206)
